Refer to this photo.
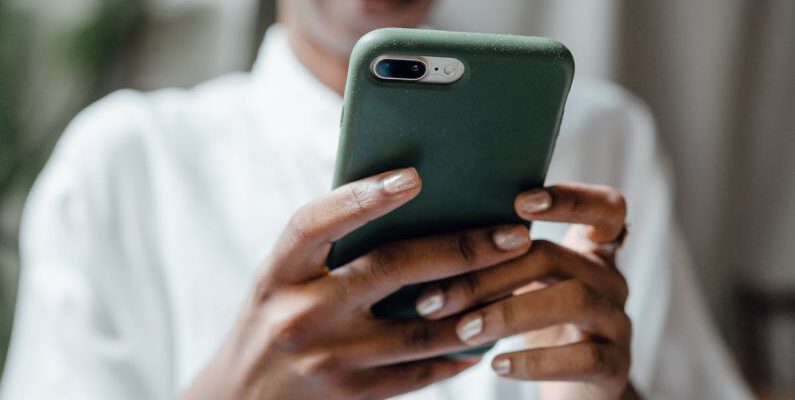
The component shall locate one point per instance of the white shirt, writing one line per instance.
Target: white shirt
(145, 231)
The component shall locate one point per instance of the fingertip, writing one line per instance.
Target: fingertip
(470, 328)
(502, 365)
(533, 202)
(512, 237)
(413, 172)
(401, 181)
(430, 302)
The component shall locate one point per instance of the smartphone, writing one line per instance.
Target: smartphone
(476, 114)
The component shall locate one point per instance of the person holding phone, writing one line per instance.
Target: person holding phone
(144, 237)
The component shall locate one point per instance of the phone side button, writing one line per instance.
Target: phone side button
(342, 115)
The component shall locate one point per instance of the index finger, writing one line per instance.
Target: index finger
(601, 207)
(302, 248)
(389, 267)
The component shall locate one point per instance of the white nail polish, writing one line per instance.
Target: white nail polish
(430, 304)
(471, 329)
(537, 201)
(503, 366)
(508, 239)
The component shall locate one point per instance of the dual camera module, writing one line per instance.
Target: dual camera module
(400, 69)
(423, 69)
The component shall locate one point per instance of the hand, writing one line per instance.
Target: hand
(307, 333)
(567, 299)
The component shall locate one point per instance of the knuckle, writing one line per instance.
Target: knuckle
(360, 198)
(623, 288)
(300, 227)
(469, 285)
(625, 327)
(263, 291)
(385, 262)
(292, 331)
(419, 336)
(264, 288)
(323, 363)
(592, 358)
(529, 363)
(288, 334)
(467, 248)
(576, 203)
(341, 286)
(507, 315)
(580, 296)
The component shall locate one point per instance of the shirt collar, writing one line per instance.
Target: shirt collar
(280, 76)
(293, 106)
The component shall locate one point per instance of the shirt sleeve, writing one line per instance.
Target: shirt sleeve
(90, 320)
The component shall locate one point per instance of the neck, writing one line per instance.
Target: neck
(329, 67)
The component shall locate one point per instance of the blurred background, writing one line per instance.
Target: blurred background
(718, 75)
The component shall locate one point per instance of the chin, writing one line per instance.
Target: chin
(385, 6)
(372, 14)
(338, 24)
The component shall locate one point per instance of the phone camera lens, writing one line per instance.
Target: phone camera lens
(400, 69)
(384, 69)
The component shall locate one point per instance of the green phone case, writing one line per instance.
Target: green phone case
(476, 143)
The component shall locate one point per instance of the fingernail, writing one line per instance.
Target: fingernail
(400, 181)
(536, 201)
(471, 329)
(431, 302)
(510, 238)
(502, 366)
